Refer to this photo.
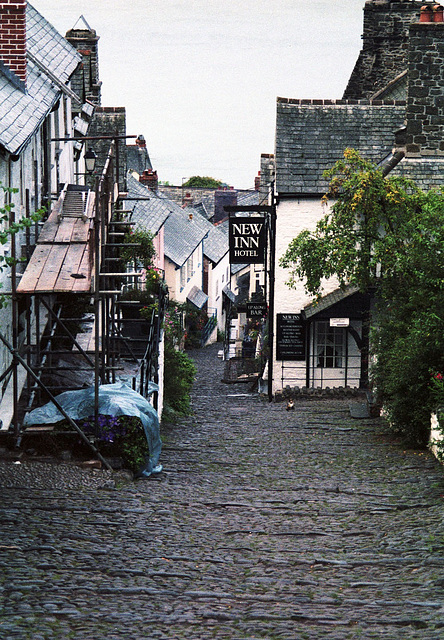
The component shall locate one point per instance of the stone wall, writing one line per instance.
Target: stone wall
(109, 121)
(425, 100)
(384, 52)
(85, 81)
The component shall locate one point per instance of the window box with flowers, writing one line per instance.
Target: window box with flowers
(437, 418)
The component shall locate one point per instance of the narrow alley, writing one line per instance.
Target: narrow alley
(263, 524)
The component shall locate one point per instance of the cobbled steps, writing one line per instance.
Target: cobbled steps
(263, 524)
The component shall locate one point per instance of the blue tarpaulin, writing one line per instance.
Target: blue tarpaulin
(114, 400)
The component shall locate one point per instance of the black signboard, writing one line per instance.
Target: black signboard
(247, 238)
(290, 337)
(256, 309)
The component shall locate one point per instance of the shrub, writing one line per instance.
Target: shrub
(180, 372)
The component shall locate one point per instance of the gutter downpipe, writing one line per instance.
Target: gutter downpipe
(271, 289)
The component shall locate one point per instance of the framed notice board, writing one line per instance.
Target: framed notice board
(290, 337)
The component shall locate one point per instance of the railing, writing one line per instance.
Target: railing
(208, 329)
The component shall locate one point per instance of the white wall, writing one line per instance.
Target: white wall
(172, 276)
(293, 216)
(217, 280)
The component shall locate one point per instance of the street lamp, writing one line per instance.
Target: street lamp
(90, 160)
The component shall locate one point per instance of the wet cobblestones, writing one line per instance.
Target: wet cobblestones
(264, 524)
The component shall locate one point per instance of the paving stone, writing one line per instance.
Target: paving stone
(264, 524)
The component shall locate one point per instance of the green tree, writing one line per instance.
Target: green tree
(204, 182)
(386, 235)
(144, 252)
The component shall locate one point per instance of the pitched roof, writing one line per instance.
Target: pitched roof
(427, 172)
(215, 244)
(148, 214)
(311, 135)
(247, 198)
(182, 233)
(22, 113)
(50, 48)
(328, 300)
(137, 158)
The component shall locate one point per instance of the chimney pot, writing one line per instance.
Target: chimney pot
(140, 141)
(426, 13)
(438, 13)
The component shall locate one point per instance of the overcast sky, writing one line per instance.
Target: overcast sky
(199, 78)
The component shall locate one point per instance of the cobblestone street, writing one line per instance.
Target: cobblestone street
(263, 524)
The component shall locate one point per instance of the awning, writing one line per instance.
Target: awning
(197, 297)
(230, 295)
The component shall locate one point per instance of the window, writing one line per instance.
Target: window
(182, 277)
(190, 267)
(330, 345)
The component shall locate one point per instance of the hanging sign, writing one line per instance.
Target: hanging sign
(290, 337)
(247, 239)
(256, 309)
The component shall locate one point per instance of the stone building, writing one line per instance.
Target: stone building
(392, 113)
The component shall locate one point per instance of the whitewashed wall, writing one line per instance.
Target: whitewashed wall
(293, 216)
(217, 280)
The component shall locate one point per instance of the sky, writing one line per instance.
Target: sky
(199, 78)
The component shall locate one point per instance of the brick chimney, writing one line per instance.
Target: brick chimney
(257, 181)
(149, 179)
(13, 36)
(425, 101)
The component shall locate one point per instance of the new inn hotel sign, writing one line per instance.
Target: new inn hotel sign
(247, 240)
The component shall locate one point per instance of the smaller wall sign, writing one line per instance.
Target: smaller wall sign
(247, 239)
(290, 337)
(339, 322)
(256, 309)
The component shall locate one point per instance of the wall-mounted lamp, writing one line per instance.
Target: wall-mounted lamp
(90, 160)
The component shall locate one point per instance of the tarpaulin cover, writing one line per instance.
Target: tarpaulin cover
(114, 400)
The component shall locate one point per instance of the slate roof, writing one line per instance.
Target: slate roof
(138, 159)
(395, 90)
(149, 214)
(21, 114)
(215, 244)
(182, 235)
(50, 48)
(312, 134)
(247, 198)
(428, 173)
(313, 308)
(197, 297)
(201, 209)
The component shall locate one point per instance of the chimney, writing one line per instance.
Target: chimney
(188, 200)
(425, 102)
(141, 142)
(85, 81)
(149, 179)
(257, 181)
(223, 198)
(13, 36)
